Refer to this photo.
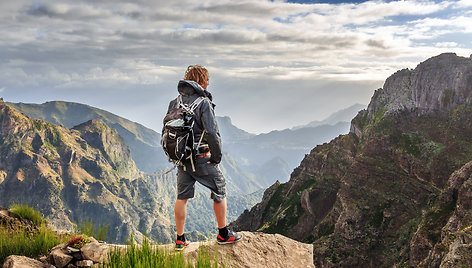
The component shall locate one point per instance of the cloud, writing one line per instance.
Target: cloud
(118, 45)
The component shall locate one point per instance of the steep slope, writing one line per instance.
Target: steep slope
(73, 175)
(359, 199)
(144, 143)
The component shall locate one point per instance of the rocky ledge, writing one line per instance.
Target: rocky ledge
(254, 250)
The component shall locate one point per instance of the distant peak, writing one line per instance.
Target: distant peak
(438, 83)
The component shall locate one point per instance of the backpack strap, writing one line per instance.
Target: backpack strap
(192, 106)
(196, 102)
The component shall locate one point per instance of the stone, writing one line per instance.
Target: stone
(72, 250)
(94, 251)
(14, 261)
(257, 250)
(84, 263)
(60, 246)
(60, 258)
(44, 259)
(77, 255)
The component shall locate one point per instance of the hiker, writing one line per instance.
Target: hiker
(202, 163)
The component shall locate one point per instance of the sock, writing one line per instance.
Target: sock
(223, 232)
(181, 237)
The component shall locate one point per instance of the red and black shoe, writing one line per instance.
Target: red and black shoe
(232, 237)
(180, 245)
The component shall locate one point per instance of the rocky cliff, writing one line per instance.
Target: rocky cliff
(74, 175)
(396, 190)
(143, 142)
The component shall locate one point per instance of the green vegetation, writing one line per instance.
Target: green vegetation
(26, 212)
(149, 255)
(436, 218)
(30, 242)
(78, 241)
(22, 243)
(98, 232)
(377, 217)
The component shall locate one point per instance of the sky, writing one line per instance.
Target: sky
(273, 64)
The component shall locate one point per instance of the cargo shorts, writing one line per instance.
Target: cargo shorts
(207, 174)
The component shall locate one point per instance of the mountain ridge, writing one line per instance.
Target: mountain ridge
(359, 198)
(74, 175)
(343, 115)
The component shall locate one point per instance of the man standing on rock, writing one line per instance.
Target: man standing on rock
(204, 168)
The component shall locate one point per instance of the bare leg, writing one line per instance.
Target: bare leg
(180, 212)
(220, 212)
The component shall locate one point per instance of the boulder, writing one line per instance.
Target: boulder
(85, 263)
(61, 259)
(14, 261)
(95, 251)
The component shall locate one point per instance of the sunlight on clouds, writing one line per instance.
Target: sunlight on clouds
(464, 3)
(139, 44)
(447, 44)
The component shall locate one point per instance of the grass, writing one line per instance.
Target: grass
(39, 243)
(149, 255)
(20, 242)
(28, 243)
(26, 212)
(87, 228)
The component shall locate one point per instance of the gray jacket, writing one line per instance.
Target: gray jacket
(204, 117)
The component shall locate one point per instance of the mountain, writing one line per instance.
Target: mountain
(254, 153)
(344, 115)
(244, 190)
(229, 132)
(395, 191)
(75, 175)
(288, 146)
(144, 143)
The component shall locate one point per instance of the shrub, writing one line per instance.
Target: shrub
(26, 212)
(78, 241)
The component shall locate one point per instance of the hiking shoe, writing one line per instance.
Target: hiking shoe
(180, 245)
(231, 238)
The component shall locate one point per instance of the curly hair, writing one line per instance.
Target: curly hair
(197, 73)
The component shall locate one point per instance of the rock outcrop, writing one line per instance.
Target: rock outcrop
(439, 83)
(444, 237)
(360, 198)
(14, 261)
(12, 222)
(253, 251)
(257, 250)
